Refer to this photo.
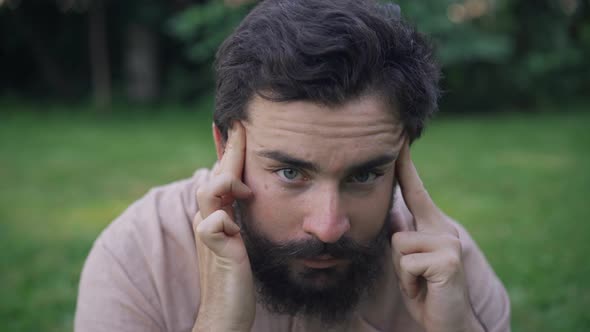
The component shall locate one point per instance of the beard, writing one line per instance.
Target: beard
(328, 294)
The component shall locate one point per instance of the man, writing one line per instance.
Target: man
(314, 217)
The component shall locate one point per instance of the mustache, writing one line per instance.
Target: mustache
(343, 248)
(277, 254)
(266, 254)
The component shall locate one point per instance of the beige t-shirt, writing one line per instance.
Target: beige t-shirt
(142, 275)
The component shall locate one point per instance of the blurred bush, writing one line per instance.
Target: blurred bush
(201, 28)
(508, 53)
(495, 53)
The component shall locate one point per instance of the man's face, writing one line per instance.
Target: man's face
(322, 180)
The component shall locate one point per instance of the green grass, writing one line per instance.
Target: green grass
(519, 183)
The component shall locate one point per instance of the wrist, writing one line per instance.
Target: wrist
(208, 328)
(201, 326)
(216, 320)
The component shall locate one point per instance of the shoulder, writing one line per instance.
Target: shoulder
(164, 212)
(488, 295)
(144, 263)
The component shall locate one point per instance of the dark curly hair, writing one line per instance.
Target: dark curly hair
(327, 52)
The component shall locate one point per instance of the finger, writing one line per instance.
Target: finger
(401, 217)
(396, 256)
(415, 195)
(434, 267)
(235, 150)
(220, 192)
(196, 221)
(403, 279)
(411, 270)
(215, 230)
(421, 242)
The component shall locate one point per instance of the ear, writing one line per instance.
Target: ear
(219, 143)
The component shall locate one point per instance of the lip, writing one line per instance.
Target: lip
(322, 262)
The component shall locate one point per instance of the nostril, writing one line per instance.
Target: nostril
(326, 219)
(330, 231)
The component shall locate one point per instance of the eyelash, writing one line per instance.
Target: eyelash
(376, 174)
(278, 172)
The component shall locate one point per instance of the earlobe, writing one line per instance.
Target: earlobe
(218, 139)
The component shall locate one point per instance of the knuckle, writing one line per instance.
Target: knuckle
(201, 193)
(405, 262)
(219, 215)
(455, 244)
(398, 237)
(196, 222)
(216, 216)
(419, 192)
(204, 228)
(200, 229)
(220, 184)
(223, 177)
(453, 230)
(226, 179)
(453, 261)
(450, 241)
(446, 224)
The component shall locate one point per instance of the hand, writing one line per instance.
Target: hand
(227, 289)
(428, 261)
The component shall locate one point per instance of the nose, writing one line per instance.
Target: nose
(326, 218)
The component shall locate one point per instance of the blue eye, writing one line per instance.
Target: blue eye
(364, 177)
(288, 174)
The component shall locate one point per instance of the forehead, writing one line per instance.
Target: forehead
(359, 128)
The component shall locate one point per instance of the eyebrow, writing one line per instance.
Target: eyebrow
(286, 159)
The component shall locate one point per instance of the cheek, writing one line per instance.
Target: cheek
(270, 210)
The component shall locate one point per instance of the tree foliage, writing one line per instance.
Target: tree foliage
(508, 52)
(494, 52)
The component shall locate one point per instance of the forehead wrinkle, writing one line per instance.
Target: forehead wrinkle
(335, 157)
(363, 117)
(327, 129)
(337, 129)
(332, 138)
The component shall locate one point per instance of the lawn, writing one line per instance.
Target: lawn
(519, 183)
